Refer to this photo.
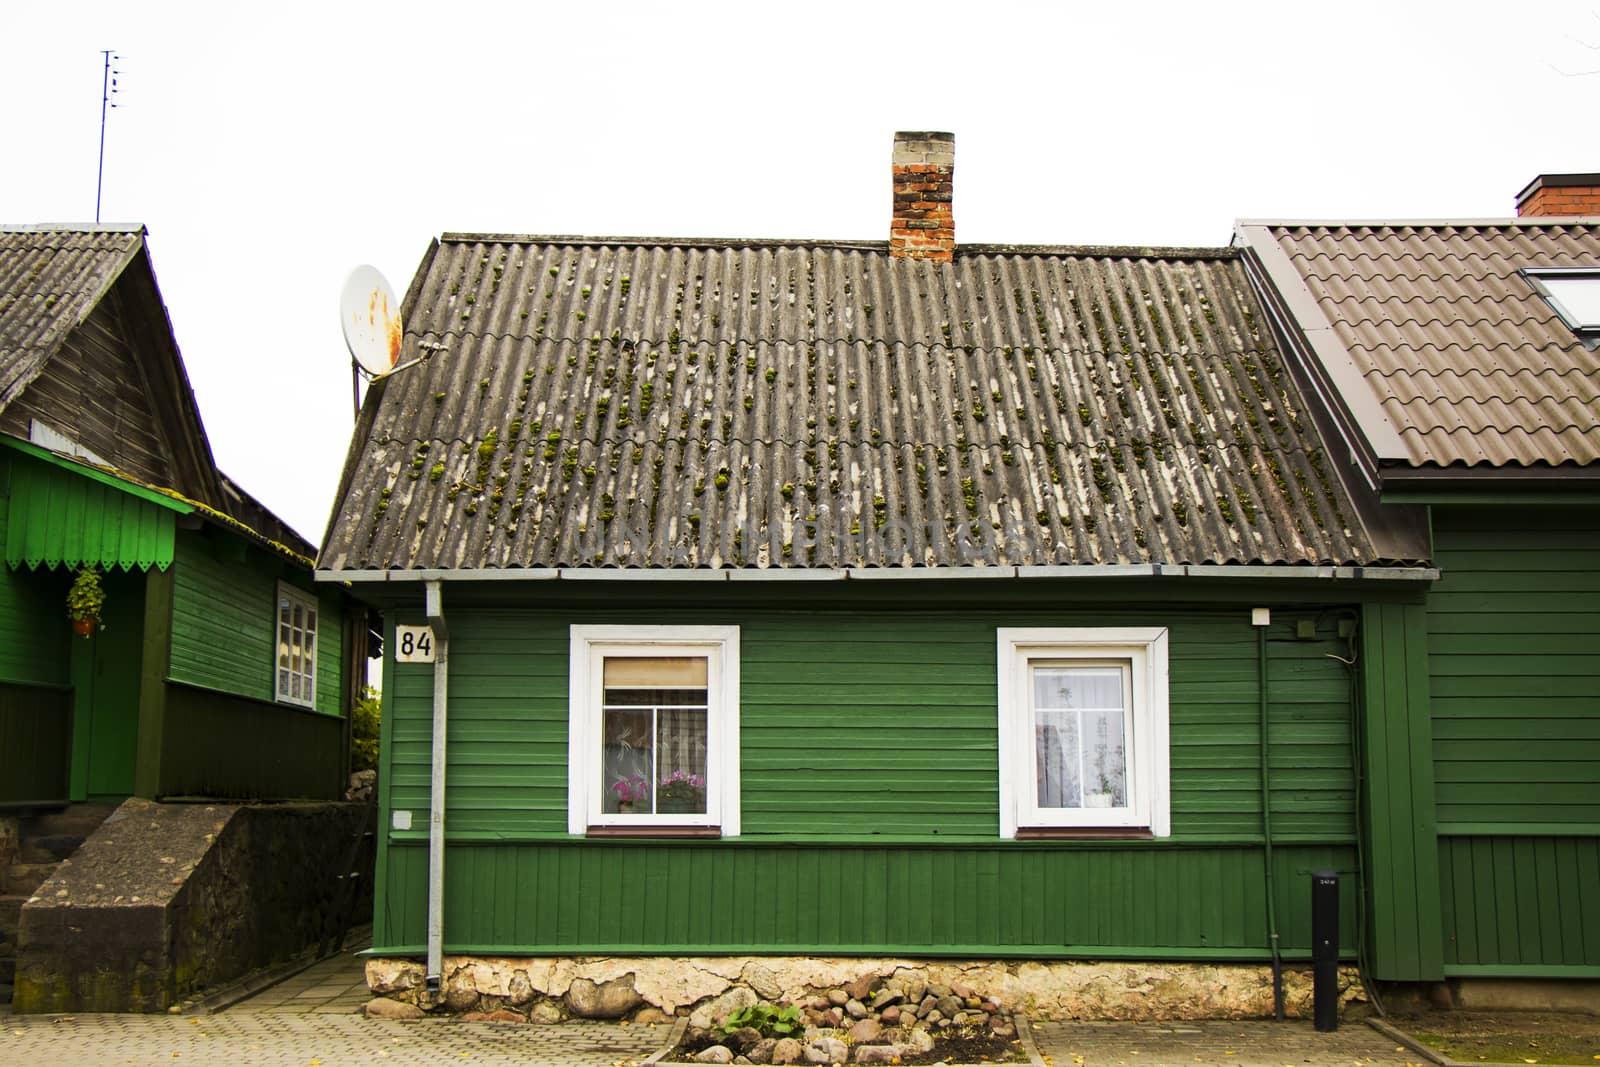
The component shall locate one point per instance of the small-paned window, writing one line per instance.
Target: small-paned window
(297, 647)
(1083, 731)
(653, 730)
(1573, 293)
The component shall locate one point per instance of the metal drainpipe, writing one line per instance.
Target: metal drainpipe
(441, 675)
(1266, 824)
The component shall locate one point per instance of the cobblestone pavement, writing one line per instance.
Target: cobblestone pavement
(1245, 1043)
(336, 986)
(287, 1039)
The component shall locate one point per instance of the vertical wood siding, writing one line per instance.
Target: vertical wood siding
(1521, 905)
(857, 724)
(35, 741)
(1514, 670)
(223, 625)
(1403, 867)
(991, 899)
(32, 648)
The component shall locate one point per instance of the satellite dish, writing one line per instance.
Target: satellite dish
(371, 319)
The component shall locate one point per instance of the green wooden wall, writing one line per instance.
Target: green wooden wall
(30, 652)
(224, 619)
(1514, 666)
(868, 750)
(220, 745)
(1514, 678)
(35, 738)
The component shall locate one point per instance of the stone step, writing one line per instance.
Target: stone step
(79, 820)
(10, 917)
(26, 877)
(49, 848)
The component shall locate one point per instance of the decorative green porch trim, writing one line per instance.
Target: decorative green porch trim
(95, 474)
(65, 514)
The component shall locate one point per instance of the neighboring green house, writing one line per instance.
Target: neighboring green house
(843, 598)
(219, 668)
(1454, 364)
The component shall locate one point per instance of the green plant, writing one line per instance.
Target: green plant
(86, 599)
(365, 719)
(767, 1019)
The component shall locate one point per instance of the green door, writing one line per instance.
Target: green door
(105, 671)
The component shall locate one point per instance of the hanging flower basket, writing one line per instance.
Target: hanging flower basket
(85, 601)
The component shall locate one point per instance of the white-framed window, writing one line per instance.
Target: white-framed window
(653, 729)
(297, 647)
(1083, 730)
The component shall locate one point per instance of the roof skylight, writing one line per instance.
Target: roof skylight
(1574, 293)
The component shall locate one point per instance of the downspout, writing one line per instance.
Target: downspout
(441, 675)
(1266, 818)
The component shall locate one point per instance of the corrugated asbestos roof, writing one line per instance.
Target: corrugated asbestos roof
(1470, 365)
(748, 404)
(50, 279)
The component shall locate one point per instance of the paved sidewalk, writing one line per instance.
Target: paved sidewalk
(1243, 1043)
(336, 986)
(284, 1039)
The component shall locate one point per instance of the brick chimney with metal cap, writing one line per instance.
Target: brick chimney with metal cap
(1560, 194)
(923, 225)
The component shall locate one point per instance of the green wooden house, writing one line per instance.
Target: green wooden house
(847, 598)
(219, 668)
(1452, 368)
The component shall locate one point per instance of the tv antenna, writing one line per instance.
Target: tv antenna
(108, 100)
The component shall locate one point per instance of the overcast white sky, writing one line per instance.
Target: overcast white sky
(270, 148)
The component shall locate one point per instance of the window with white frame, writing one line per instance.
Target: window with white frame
(1083, 731)
(297, 647)
(653, 729)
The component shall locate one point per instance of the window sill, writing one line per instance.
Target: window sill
(654, 831)
(1084, 833)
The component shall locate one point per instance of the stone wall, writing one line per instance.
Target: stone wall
(165, 900)
(550, 989)
(10, 840)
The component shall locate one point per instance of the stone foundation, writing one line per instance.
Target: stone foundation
(655, 988)
(165, 900)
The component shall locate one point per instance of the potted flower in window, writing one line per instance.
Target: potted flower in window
(85, 600)
(683, 793)
(632, 793)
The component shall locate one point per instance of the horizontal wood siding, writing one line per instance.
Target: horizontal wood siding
(1521, 904)
(862, 724)
(224, 619)
(1514, 666)
(995, 899)
(35, 743)
(876, 726)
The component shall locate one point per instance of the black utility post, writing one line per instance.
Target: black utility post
(1325, 949)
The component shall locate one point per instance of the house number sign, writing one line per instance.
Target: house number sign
(413, 644)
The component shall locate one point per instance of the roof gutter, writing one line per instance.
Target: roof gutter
(1400, 573)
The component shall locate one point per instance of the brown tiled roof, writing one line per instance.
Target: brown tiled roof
(1463, 359)
(654, 403)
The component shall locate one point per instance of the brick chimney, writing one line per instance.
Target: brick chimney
(1560, 194)
(923, 225)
